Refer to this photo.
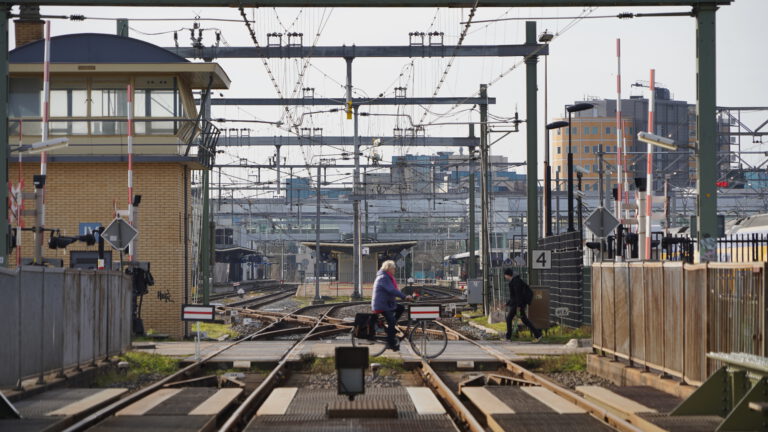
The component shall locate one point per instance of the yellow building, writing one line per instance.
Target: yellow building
(589, 134)
(87, 181)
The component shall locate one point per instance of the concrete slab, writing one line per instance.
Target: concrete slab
(278, 401)
(89, 402)
(485, 401)
(425, 401)
(145, 404)
(613, 401)
(217, 403)
(557, 403)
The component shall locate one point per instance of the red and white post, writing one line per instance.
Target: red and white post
(619, 137)
(649, 164)
(40, 198)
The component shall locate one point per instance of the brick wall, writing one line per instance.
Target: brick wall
(87, 192)
(27, 31)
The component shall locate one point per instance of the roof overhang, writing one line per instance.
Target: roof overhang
(195, 74)
(346, 248)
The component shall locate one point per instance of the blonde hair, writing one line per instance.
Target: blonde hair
(388, 266)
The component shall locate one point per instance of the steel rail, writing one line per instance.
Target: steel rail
(107, 411)
(458, 409)
(254, 400)
(594, 410)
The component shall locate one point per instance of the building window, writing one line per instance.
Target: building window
(574, 131)
(586, 130)
(586, 149)
(595, 149)
(608, 130)
(594, 130)
(224, 236)
(595, 168)
(557, 150)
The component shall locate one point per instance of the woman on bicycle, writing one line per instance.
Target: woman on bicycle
(385, 291)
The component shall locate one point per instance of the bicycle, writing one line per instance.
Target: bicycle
(426, 338)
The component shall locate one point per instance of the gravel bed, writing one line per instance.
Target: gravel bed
(467, 330)
(350, 311)
(329, 381)
(578, 378)
(284, 305)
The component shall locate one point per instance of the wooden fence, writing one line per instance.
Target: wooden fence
(667, 316)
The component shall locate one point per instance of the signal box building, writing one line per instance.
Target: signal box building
(87, 181)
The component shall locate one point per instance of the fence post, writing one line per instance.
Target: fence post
(19, 385)
(94, 325)
(41, 377)
(79, 320)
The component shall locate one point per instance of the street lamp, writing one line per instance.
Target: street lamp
(548, 178)
(572, 109)
(658, 141)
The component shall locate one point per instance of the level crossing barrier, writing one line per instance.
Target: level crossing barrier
(54, 319)
(668, 316)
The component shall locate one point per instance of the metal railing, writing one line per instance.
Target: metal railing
(54, 319)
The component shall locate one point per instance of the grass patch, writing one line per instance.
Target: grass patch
(556, 364)
(553, 335)
(389, 366)
(215, 331)
(142, 366)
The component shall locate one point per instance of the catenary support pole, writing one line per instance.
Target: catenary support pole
(205, 231)
(471, 260)
(485, 255)
(532, 152)
(4, 234)
(318, 299)
(619, 148)
(706, 168)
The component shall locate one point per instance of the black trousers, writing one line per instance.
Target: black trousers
(392, 317)
(511, 312)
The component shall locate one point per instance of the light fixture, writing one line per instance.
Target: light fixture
(656, 140)
(557, 125)
(546, 37)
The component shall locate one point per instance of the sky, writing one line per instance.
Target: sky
(582, 62)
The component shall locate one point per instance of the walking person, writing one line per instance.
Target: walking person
(385, 291)
(520, 296)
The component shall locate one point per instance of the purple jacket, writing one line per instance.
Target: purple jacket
(384, 293)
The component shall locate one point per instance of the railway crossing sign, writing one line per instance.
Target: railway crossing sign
(119, 234)
(601, 222)
(191, 312)
(542, 260)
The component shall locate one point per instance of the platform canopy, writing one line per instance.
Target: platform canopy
(373, 247)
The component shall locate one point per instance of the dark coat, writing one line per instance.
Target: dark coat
(516, 292)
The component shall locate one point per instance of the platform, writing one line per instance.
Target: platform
(308, 406)
(57, 407)
(272, 351)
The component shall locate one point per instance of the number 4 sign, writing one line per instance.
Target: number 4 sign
(542, 260)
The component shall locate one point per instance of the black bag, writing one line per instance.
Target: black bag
(365, 325)
(527, 293)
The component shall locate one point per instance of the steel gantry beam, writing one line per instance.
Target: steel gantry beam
(255, 141)
(352, 51)
(378, 3)
(470, 100)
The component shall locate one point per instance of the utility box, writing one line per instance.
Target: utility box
(538, 311)
(474, 291)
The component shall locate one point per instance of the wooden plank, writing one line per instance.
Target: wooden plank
(486, 401)
(695, 323)
(597, 317)
(278, 401)
(621, 303)
(637, 312)
(93, 401)
(425, 401)
(654, 291)
(616, 403)
(557, 403)
(217, 402)
(607, 309)
(145, 404)
(673, 338)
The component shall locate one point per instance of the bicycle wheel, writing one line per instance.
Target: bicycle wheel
(428, 339)
(376, 346)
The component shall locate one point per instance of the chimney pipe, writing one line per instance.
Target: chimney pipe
(29, 26)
